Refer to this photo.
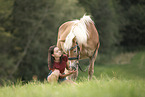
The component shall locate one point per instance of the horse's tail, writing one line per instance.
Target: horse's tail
(79, 31)
(86, 19)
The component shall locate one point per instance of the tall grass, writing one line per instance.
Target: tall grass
(111, 80)
(104, 87)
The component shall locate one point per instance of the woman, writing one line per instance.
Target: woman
(57, 62)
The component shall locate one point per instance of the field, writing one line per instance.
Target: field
(123, 77)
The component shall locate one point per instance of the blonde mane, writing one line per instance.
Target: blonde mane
(78, 31)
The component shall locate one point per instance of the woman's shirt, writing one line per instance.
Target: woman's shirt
(60, 66)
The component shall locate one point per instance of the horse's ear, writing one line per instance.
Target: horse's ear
(61, 40)
(52, 55)
(74, 39)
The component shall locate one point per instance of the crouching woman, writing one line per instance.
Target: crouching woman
(57, 62)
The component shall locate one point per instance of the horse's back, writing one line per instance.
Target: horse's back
(63, 31)
(93, 37)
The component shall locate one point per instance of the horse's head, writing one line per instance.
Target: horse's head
(74, 54)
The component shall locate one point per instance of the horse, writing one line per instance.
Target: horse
(79, 39)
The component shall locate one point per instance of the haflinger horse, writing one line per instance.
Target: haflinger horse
(79, 39)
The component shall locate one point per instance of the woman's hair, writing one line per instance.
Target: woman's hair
(50, 57)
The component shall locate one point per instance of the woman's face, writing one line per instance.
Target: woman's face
(57, 52)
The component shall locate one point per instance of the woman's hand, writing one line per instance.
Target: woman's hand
(73, 71)
(69, 73)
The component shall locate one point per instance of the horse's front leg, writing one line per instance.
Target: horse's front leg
(74, 75)
(91, 69)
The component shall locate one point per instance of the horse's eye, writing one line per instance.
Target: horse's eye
(74, 51)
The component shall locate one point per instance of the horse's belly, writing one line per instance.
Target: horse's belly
(86, 53)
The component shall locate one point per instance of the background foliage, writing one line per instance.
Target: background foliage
(28, 28)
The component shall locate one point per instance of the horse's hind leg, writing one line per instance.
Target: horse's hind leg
(91, 66)
(91, 69)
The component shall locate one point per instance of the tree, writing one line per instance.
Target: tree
(6, 45)
(105, 18)
(133, 30)
(35, 28)
(28, 28)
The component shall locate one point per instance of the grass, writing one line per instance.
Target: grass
(110, 80)
(130, 66)
(104, 87)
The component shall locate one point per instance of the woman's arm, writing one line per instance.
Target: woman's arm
(65, 75)
(69, 69)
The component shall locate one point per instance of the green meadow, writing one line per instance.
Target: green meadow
(124, 76)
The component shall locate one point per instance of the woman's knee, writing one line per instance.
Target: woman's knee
(54, 75)
(56, 72)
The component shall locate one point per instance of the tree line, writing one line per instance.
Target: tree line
(29, 27)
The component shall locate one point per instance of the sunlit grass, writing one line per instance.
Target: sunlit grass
(111, 80)
(134, 67)
(103, 87)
